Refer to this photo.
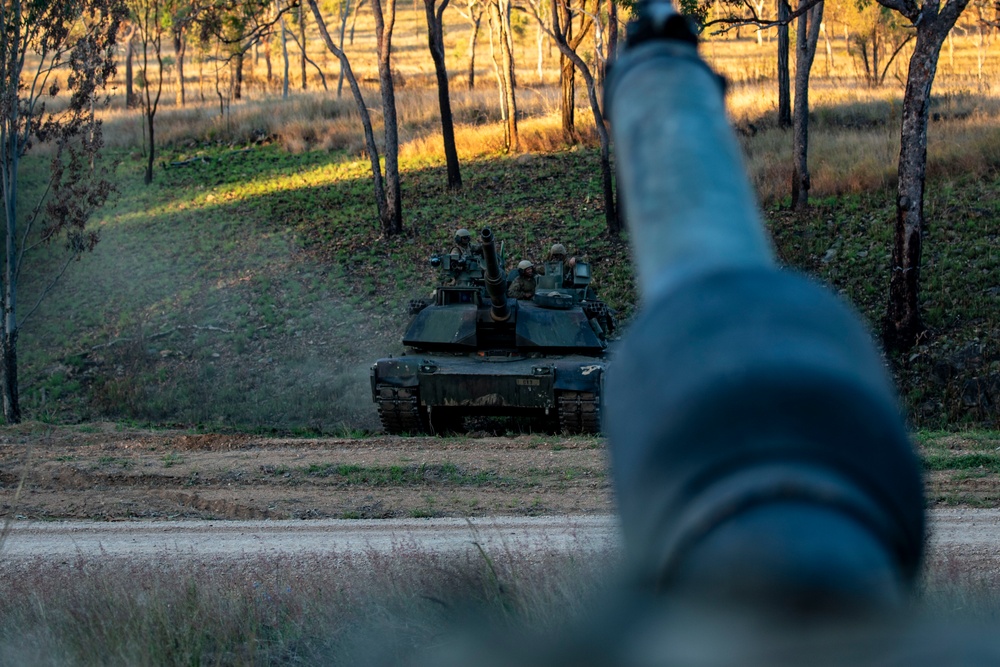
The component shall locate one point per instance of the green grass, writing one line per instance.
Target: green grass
(252, 291)
(409, 475)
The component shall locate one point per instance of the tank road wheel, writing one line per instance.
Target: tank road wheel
(400, 411)
(579, 412)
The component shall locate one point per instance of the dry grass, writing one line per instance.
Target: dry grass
(337, 610)
(854, 139)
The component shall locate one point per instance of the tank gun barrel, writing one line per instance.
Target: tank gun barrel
(771, 465)
(496, 282)
(704, 215)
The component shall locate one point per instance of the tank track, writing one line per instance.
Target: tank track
(399, 410)
(579, 413)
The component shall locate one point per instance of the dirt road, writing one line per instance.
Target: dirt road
(549, 491)
(971, 536)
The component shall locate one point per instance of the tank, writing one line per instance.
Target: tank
(473, 351)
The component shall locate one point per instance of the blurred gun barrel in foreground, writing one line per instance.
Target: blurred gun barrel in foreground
(756, 444)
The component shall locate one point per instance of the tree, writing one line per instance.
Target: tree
(502, 39)
(557, 35)
(180, 15)
(878, 35)
(806, 39)
(385, 215)
(40, 38)
(239, 25)
(571, 35)
(385, 20)
(738, 13)
(149, 17)
(474, 15)
(902, 325)
(284, 59)
(784, 93)
(435, 40)
(127, 38)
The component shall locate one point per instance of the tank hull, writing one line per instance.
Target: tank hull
(424, 393)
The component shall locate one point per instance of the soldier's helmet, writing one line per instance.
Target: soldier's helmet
(524, 264)
(463, 234)
(557, 249)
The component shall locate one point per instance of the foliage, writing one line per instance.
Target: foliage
(77, 38)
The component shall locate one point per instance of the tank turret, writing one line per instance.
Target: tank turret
(473, 351)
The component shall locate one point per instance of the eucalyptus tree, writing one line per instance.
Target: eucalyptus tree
(389, 207)
(238, 25)
(557, 34)
(473, 13)
(902, 325)
(149, 18)
(42, 45)
(573, 23)
(877, 37)
(435, 41)
(181, 15)
(806, 39)
(502, 50)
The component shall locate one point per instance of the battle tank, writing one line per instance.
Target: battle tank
(473, 351)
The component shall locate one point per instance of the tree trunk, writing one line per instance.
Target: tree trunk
(180, 47)
(567, 73)
(829, 49)
(610, 209)
(238, 76)
(8, 336)
(435, 41)
(359, 99)
(784, 84)
(567, 99)
(266, 46)
(285, 62)
(345, 13)
(498, 72)
(11, 394)
(302, 45)
(148, 176)
(130, 97)
(806, 39)
(540, 55)
(474, 34)
(392, 223)
(902, 323)
(612, 33)
(499, 25)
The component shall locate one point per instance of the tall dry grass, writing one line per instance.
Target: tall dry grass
(854, 140)
(370, 608)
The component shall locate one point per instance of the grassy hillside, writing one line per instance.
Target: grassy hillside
(248, 288)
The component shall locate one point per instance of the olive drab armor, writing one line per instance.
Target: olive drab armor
(471, 351)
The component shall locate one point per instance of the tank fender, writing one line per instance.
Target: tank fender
(397, 371)
(586, 376)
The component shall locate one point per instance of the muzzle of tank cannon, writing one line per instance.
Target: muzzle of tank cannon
(756, 446)
(496, 283)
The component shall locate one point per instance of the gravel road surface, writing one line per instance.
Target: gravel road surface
(970, 534)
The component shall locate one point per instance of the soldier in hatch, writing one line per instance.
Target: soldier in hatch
(464, 247)
(523, 286)
(557, 262)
